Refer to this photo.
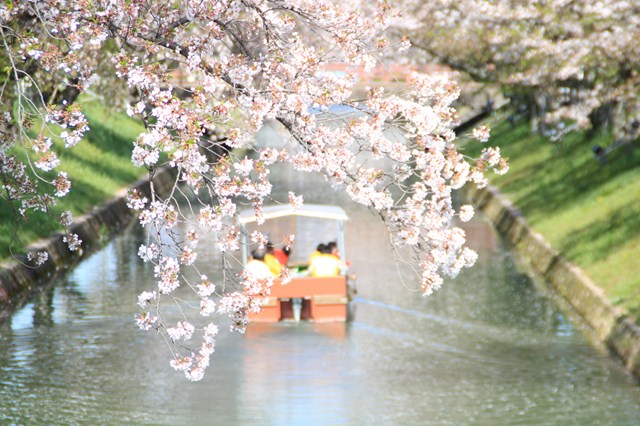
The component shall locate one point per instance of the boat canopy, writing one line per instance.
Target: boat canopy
(319, 211)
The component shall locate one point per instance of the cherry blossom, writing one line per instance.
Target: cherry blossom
(146, 297)
(203, 77)
(73, 241)
(481, 133)
(66, 219)
(466, 213)
(563, 60)
(38, 258)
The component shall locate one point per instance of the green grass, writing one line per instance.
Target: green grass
(587, 210)
(98, 167)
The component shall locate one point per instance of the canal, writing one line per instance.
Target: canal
(487, 349)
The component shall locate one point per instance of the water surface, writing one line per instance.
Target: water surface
(487, 349)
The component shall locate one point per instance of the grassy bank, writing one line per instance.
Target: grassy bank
(587, 210)
(98, 167)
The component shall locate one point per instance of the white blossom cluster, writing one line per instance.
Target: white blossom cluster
(206, 76)
(38, 258)
(572, 59)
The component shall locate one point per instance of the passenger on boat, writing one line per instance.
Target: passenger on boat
(257, 267)
(282, 254)
(333, 246)
(316, 253)
(271, 261)
(326, 264)
(333, 249)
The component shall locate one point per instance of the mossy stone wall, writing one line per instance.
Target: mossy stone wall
(611, 325)
(17, 277)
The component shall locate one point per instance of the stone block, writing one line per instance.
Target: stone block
(538, 252)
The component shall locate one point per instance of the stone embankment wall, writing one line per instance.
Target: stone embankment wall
(17, 277)
(611, 325)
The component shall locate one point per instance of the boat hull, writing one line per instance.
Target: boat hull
(323, 299)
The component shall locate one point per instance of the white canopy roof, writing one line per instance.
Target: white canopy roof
(309, 210)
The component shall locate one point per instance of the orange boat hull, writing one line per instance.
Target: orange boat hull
(323, 299)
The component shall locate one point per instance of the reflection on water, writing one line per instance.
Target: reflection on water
(487, 349)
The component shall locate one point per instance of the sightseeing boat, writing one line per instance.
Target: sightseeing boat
(319, 299)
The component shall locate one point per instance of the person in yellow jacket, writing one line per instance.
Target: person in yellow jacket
(326, 264)
(272, 261)
(316, 253)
